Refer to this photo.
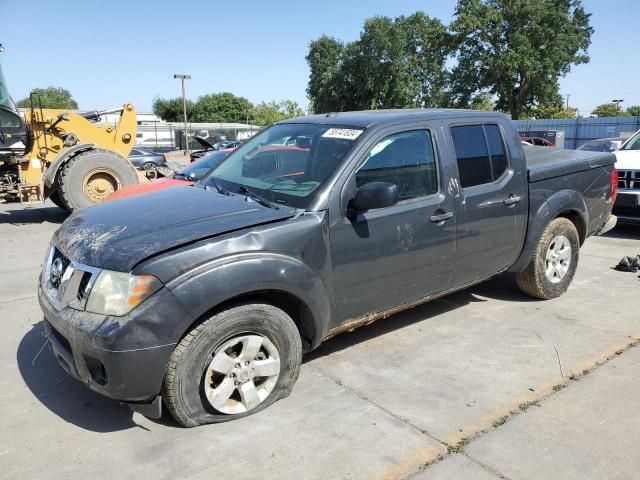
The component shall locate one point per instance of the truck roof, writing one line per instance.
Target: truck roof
(369, 118)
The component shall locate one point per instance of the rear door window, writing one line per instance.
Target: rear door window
(480, 154)
(496, 150)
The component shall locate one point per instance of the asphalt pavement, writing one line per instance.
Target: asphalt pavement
(486, 383)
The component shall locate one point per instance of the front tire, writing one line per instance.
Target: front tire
(234, 364)
(554, 261)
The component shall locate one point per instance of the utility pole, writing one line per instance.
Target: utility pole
(184, 110)
(567, 107)
(618, 102)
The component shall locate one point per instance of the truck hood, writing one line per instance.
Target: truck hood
(119, 234)
(627, 159)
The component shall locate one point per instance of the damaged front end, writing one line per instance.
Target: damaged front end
(122, 350)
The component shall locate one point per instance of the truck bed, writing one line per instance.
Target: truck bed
(545, 162)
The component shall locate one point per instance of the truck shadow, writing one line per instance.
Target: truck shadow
(19, 215)
(63, 395)
(625, 232)
(502, 288)
(73, 402)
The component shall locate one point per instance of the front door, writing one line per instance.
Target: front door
(391, 256)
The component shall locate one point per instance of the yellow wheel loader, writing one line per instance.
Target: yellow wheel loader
(63, 155)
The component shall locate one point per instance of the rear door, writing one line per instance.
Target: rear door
(491, 207)
(390, 256)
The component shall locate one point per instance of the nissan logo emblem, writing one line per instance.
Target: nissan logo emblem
(56, 270)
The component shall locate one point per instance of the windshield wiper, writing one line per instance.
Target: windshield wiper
(256, 197)
(219, 188)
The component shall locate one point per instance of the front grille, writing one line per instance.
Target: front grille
(629, 179)
(66, 282)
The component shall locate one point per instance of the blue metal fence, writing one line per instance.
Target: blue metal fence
(580, 130)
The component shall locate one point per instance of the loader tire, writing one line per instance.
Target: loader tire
(57, 200)
(93, 175)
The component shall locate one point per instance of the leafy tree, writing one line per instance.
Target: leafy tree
(221, 107)
(291, 109)
(482, 102)
(265, 114)
(633, 110)
(325, 58)
(516, 49)
(171, 110)
(51, 97)
(395, 63)
(609, 110)
(553, 111)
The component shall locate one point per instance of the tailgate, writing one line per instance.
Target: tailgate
(545, 162)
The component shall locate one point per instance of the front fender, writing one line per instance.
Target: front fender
(223, 279)
(559, 203)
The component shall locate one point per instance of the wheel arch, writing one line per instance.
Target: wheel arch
(567, 204)
(273, 279)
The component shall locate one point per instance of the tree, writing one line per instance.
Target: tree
(609, 110)
(396, 63)
(633, 110)
(221, 107)
(324, 59)
(553, 112)
(51, 97)
(265, 114)
(291, 109)
(483, 103)
(516, 49)
(171, 110)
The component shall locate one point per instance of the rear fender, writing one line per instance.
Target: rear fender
(209, 285)
(558, 204)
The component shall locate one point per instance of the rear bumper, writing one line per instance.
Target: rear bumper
(609, 225)
(129, 375)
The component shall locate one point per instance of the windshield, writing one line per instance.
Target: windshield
(633, 143)
(596, 146)
(5, 99)
(200, 167)
(285, 173)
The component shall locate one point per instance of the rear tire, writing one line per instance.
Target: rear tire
(91, 176)
(554, 261)
(192, 386)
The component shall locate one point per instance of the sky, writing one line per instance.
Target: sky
(111, 52)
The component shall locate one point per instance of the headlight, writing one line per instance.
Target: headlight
(117, 293)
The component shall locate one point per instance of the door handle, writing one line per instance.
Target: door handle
(512, 200)
(441, 217)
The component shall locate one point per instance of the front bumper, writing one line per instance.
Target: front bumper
(627, 207)
(115, 356)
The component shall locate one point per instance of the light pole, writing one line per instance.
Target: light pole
(618, 102)
(184, 110)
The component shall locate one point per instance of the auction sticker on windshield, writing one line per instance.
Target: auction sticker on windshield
(343, 133)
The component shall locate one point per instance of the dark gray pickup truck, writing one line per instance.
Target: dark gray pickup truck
(204, 297)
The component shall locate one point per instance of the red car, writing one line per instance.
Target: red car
(538, 141)
(186, 176)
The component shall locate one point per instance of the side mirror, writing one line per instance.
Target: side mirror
(374, 195)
